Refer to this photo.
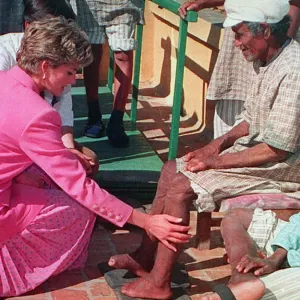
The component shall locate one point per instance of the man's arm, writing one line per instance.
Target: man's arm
(295, 16)
(255, 156)
(214, 148)
(288, 239)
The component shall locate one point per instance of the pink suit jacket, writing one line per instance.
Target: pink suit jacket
(30, 132)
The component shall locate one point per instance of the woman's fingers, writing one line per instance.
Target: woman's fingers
(170, 246)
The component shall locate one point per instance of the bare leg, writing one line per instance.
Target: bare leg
(172, 191)
(95, 127)
(239, 243)
(123, 76)
(91, 74)
(122, 83)
(156, 284)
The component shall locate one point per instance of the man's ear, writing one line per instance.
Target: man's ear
(266, 31)
(44, 68)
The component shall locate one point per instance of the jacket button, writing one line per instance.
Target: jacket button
(95, 207)
(103, 211)
(118, 217)
(110, 214)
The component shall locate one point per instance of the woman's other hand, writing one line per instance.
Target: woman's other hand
(86, 161)
(30, 179)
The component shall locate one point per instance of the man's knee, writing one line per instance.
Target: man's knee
(178, 184)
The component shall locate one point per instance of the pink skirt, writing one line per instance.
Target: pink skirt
(55, 241)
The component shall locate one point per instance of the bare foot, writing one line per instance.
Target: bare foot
(247, 290)
(147, 288)
(130, 263)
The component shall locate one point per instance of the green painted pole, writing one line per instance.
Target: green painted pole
(173, 147)
(136, 74)
(110, 75)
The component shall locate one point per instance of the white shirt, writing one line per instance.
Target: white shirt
(9, 45)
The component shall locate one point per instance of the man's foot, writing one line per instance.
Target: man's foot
(147, 288)
(131, 263)
(116, 134)
(95, 130)
(247, 290)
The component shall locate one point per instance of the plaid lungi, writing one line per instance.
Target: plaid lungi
(94, 13)
(272, 110)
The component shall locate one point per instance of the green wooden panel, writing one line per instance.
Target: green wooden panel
(136, 167)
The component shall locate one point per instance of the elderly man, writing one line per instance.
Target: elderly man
(260, 155)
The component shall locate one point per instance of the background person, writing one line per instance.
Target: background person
(115, 20)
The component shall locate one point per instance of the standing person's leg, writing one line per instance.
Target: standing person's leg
(122, 42)
(95, 127)
(174, 196)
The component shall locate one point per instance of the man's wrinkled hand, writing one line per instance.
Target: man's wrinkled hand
(167, 230)
(197, 165)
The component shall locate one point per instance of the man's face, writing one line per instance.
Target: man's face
(253, 47)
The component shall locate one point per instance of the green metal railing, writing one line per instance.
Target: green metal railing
(191, 16)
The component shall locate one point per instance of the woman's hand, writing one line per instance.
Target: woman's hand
(30, 179)
(86, 161)
(167, 230)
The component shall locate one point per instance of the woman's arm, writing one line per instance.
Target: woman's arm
(41, 142)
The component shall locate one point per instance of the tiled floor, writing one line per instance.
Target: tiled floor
(205, 268)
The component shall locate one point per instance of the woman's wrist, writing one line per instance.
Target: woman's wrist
(139, 219)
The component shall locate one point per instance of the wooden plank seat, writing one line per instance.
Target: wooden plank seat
(281, 204)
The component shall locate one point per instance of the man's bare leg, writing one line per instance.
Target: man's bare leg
(156, 284)
(238, 243)
(122, 83)
(173, 189)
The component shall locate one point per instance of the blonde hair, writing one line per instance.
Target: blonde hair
(56, 40)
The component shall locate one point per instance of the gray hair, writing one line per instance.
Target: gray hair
(56, 40)
(278, 29)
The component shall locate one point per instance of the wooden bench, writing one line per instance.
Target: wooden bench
(278, 203)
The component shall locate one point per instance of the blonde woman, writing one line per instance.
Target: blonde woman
(44, 231)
